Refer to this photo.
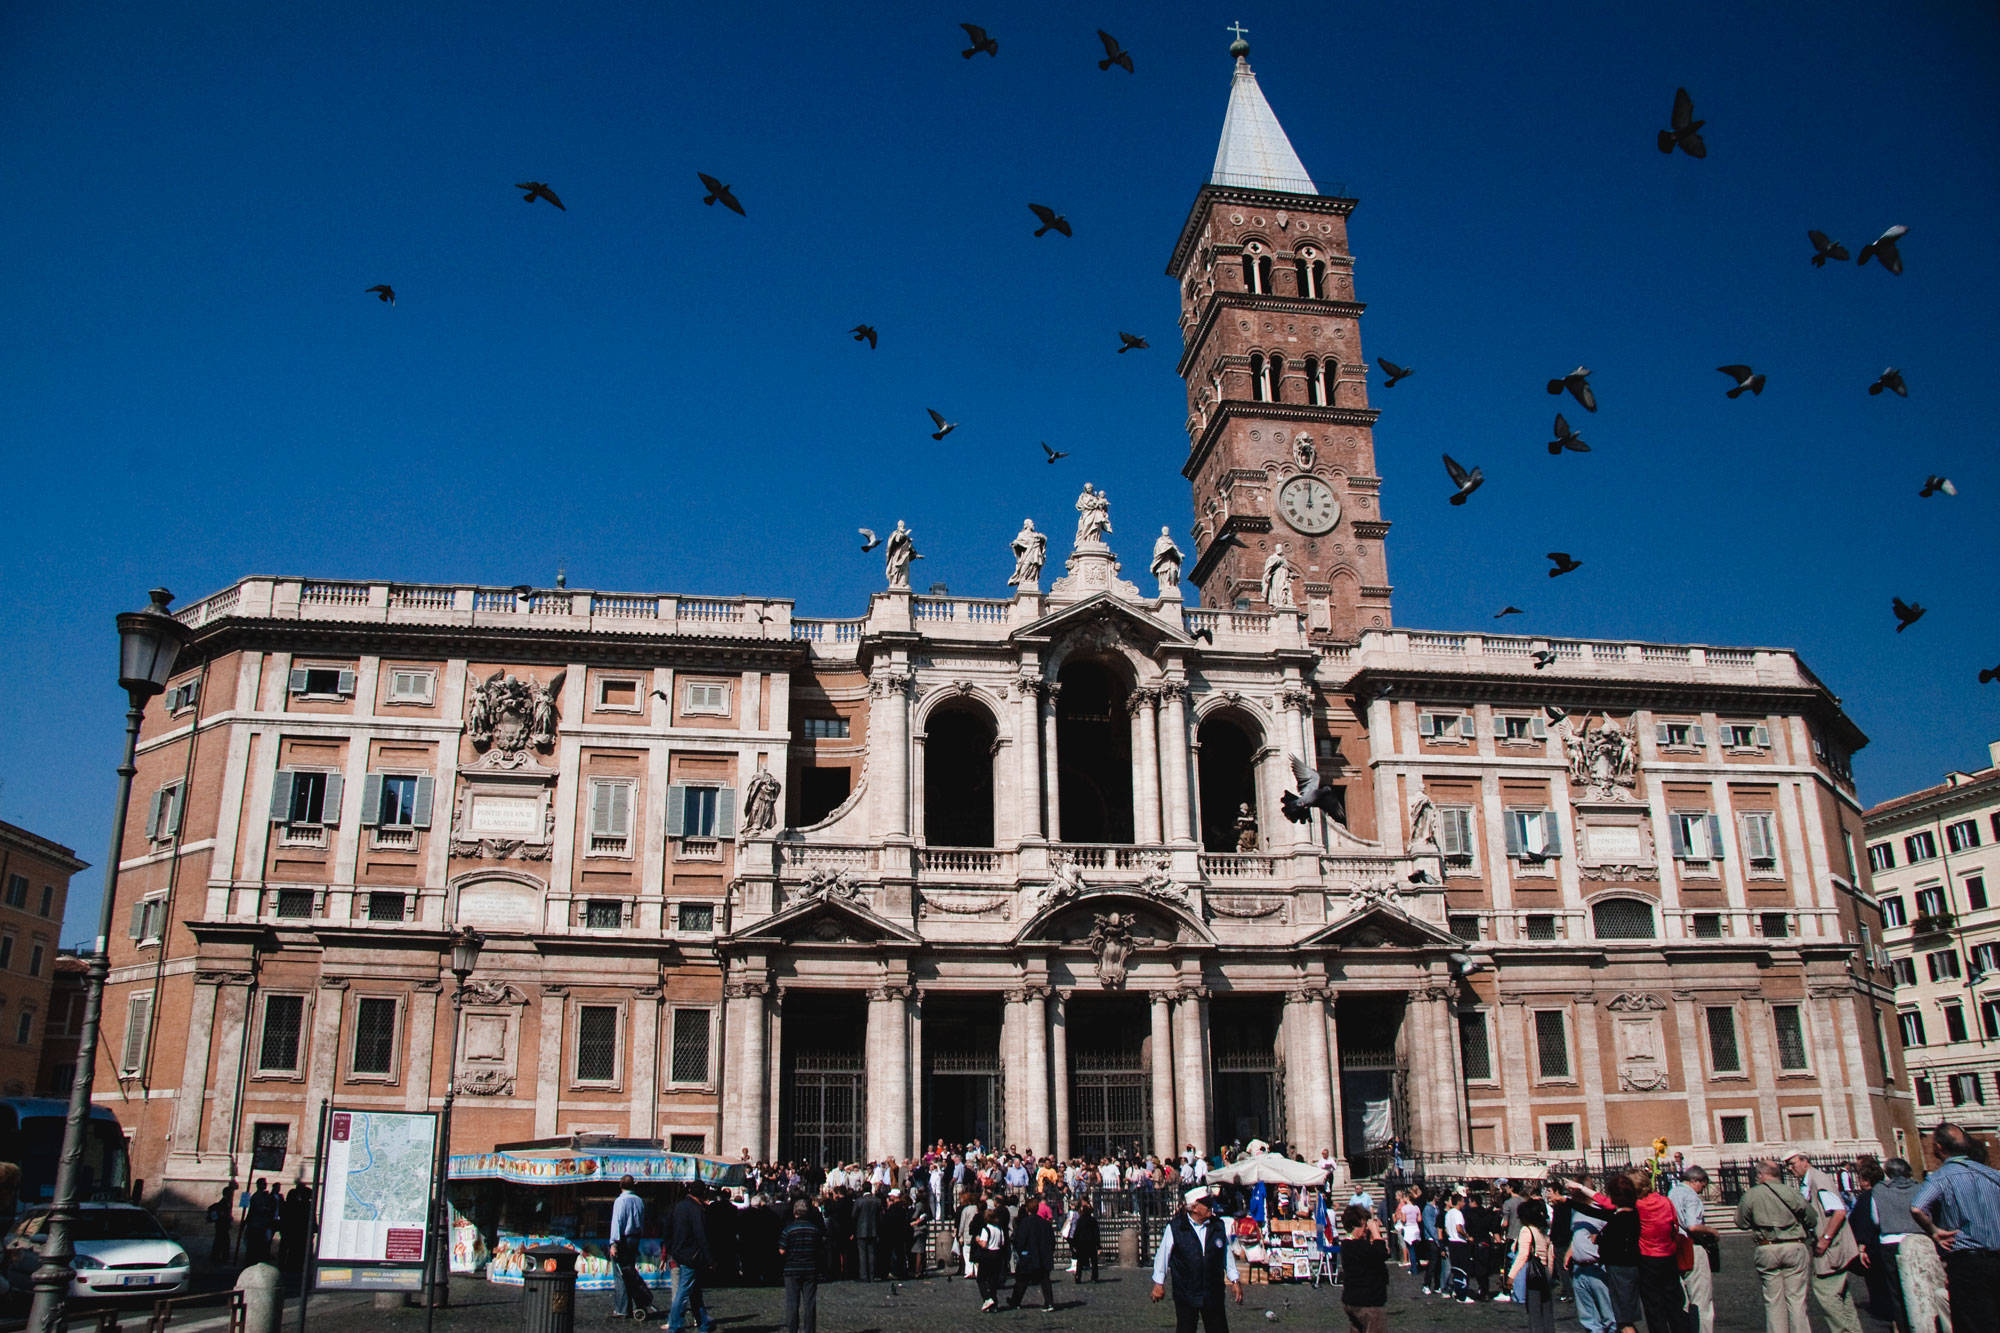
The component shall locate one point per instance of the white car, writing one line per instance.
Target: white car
(121, 1250)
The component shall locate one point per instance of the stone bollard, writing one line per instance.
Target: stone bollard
(263, 1298)
(1128, 1247)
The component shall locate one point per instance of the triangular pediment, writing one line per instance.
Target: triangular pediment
(1380, 925)
(826, 919)
(1138, 624)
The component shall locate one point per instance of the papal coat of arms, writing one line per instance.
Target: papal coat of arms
(509, 716)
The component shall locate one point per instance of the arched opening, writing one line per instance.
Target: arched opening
(1329, 370)
(1264, 273)
(1315, 386)
(1318, 274)
(1228, 776)
(958, 776)
(1094, 753)
(1260, 384)
(1622, 919)
(1250, 283)
(1277, 372)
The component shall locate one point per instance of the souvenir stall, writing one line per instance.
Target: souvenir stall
(559, 1192)
(1279, 1237)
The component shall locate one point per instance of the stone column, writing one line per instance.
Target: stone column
(919, 772)
(1173, 743)
(1031, 1002)
(888, 1047)
(1446, 1127)
(891, 731)
(1145, 766)
(1051, 787)
(1028, 726)
(1590, 1067)
(1163, 1076)
(1191, 1063)
(549, 1059)
(744, 1108)
(329, 1010)
(1059, 1070)
(188, 1102)
(1694, 1071)
(1306, 1064)
(1335, 1113)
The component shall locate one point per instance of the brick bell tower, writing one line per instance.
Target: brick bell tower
(1279, 427)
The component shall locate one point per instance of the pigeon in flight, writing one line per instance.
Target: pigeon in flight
(1936, 485)
(719, 193)
(1578, 384)
(1312, 794)
(944, 427)
(1207, 636)
(1053, 454)
(537, 190)
(1467, 482)
(1544, 657)
(1988, 675)
(1686, 131)
(1129, 342)
(1394, 372)
(980, 41)
(1227, 540)
(1883, 247)
(869, 541)
(1556, 716)
(384, 292)
(1567, 438)
(1050, 218)
(1825, 248)
(1113, 53)
(1509, 611)
(1907, 613)
(864, 333)
(1892, 380)
(1563, 564)
(1747, 380)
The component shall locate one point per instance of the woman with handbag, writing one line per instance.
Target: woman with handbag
(1534, 1261)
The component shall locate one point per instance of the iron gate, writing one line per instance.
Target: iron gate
(829, 1107)
(1249, 1089)
(1110, 1103)
(968, 1086)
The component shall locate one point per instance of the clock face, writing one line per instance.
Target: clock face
(1308, 504)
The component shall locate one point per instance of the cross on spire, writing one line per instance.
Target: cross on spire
(1238, 28)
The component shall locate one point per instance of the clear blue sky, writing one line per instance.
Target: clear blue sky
(663, 396)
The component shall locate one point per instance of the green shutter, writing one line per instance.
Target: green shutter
(1696, 736)
(138, 927)
(1715, 837)
(1677, 830)
(676, 811)
(298, 682)
(346, 681)
(1513, 821)
(1552, 843)
(371, 800)
(725, 812)
(421, 817)
(1764, 737)
(1661, 735)
(1538, 728)
(621, 809)
(153, 813)
(329, 807)
(281, 796)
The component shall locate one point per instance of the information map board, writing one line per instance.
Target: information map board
(375, 1208)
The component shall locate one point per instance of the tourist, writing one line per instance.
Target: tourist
(687, 1253)
(631, 1298)
(1459, 1246)
(1195, 1248)
(1364, 1271)
(1482, 1229)
(1833, 1245)
(970, 1215)
(1595, 1309)
(1958, 1207)
(1913, 1281)
(260, 1218)
(1438, 1269)
(989, 1257)
(1698, 1282)
(1034, 1244)
(1660, 1292)
(868, 1209)
(1779, 1220)
(1083, 1240)
(1617, 1243)
(893, 1237)
(801, 1245)
(1530, 1274)
(1409, 1224)
(294, 1221)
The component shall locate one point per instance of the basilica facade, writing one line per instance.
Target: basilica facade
(1079, 869)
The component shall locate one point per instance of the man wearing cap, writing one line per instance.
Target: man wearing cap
(1780, 1220)
(1834, 1248)
(1195, 1248)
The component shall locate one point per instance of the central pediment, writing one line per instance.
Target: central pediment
(1101, 609)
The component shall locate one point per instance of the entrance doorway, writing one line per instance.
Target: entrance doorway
(1094, 753)
(824, 1073)
(1248, 1076)
(1374, 1079)
(964, 1082)
(1110, 1077)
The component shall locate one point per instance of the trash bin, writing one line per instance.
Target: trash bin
(548, 1277)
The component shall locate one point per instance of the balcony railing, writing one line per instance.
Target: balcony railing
(1237, 865)
(1932, 923)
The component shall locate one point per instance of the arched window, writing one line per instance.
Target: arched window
(1227, 771)
(958, 776)
(1094, 753)
(1315, 388)
(1622, 919)
(1260, 385)
(1329, 371)
(1250, 274)
(1276, 368)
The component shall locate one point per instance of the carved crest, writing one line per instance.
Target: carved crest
(1603, 759)
(509, 716)
(1112, 941)
(490, 992)
(1635, 1002)
(824, 883)
(486, 1083)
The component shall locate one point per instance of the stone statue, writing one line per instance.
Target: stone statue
(899, 551)
(542, 712)
(1246, 829)
(824, 883)
(1278, 581)
(1166, 562)
(1093, 515)
(760, 804)
(1423, 824)
(1031, 548)
(1065, 879)
(1159, 882)
(1604, 760)
(1113, 941)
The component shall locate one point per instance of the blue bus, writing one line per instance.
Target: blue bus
(31, 1135)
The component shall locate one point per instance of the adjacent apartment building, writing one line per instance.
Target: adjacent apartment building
(1935, 855)
(34, 887)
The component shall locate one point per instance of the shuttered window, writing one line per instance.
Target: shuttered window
(305, 796)
(323, 682)
(701, 812)
(284, 1023)
(163, 815)
(1760, 838)
(1455, 834)
(138, 1025)
(1696, 834)
(1532, 835)
(610, 817)
(397, 800)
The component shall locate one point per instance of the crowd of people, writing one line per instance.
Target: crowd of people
(271, 1225)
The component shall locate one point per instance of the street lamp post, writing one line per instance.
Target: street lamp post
(465, 946)
(148, 643)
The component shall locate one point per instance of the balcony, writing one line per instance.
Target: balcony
(1932, 923)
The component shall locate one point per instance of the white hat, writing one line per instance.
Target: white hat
(1199, 1194)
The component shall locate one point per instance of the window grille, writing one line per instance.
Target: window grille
(1736, 1129)
(1622, 919)
(1551, 1043)
(604, 914)
(375, 1035)
(1708, 925)
(284, 1021)
(1475, 1052)
(690, 1057)
(1542, 926)
(294, 903)
(697, 918)
(693, 1143)
(385, 907)
(1560, 1135)
(268, 1144)
(1791, 1036)
(1723, 1055)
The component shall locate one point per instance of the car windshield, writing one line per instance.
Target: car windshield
(116, 1224)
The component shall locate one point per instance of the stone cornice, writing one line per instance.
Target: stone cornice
(1230, 409)
(1197, 338)
(1275, 200)
(527, 644)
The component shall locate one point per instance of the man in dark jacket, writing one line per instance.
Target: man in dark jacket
(1083, 1239)
(1034, 1257)
(840, 1234)
(1195, 1249)
(895, 1236)
(867, 1231)
(687, 1249)
(802, 1244)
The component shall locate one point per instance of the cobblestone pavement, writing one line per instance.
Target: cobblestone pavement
(934, 1305)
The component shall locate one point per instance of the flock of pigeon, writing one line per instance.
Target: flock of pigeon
(1684, 133)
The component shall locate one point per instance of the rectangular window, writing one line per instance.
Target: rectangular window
(305, 797)
(1541, 926)
(1791, 1036)
(35, 956)
(610, 817)
(17, 891)
(386, 907)
(700, 697)
(618, 694)
(49, 898)
(1954, 1022)
(6, 951)
(1519, 728)
(1735, 1128)
(284, 1025)
(397, 800)
(701, 812)
(1962, 836)
(375, 1035)
(1445, 726)
(596, 1043)
(1911, 1023)
(1474, 1050)
(25, 1028)
(1760, 839)
(1774, 925)
(1893, 913)
(163, 821)
(1921, 1085)
(1746, 736)
(410, 686)
(1986, 957)
(823, 728)
(694, 1143)
(1941, 965)
(1920, 846)
(1696, 834)
(1531, 835)
(1465, 925)
(695, 918)
(293, 904)
(1559, 1135)
(1679, 735)
(268, 1144)
(1455, 835)
(1551, 1044)
(1930, 902)
(690, 1055)
(1989, 1019)
(138, 1022)
(1881, 856)
(1975, 893)
(323, 682)
(183, 696)
(1965, 1090)
(1723, 1055)
(1708, 925)
(1993, 821)
(149, 920)
(604, 914)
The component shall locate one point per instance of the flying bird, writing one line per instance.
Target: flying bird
(1892, 380)
(980, 41)
(1935, 485)
(384, 292)
(1509, 611)
(869, 541)
(537, 190)
(1825, 248)
(1747, 381)
(1578, 384)
(864, 333)
(1050, 218)
(1053, 454)
(1312, 794)
(1394, 372)
(1567, 438)
(1227, 540)
(1467, 482)
(1544, 657)
(1686, 131)
(1988, 675)
(1113, 53)
(1907, 613)
(1130, 342)
(1883, 247)
(1207, 636)
(1563, 563)
(719, 193)
(944, 427)
(1556, 716)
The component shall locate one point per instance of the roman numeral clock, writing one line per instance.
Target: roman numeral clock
(1308, 504)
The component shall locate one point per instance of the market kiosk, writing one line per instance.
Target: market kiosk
(1280, 1237)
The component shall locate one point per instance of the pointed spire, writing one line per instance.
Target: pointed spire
(1254, 153)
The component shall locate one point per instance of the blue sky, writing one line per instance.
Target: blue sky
(663, 396)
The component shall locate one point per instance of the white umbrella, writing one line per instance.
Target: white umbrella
(1268, 1169)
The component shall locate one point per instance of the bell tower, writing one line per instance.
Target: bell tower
(1281, 445)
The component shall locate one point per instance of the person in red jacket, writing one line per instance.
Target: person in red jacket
(1660, 1292)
